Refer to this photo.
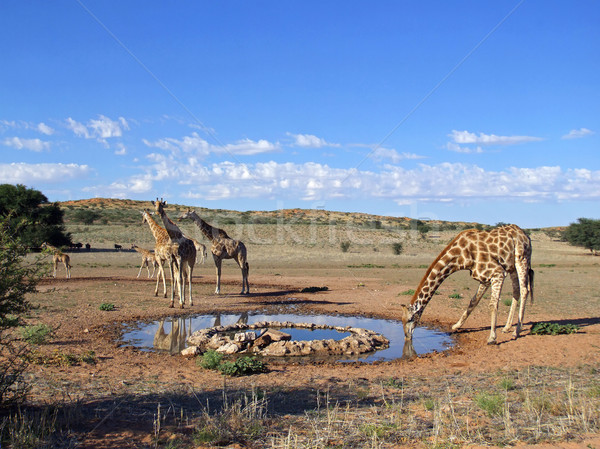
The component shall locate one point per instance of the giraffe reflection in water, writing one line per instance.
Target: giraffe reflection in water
(181, 328)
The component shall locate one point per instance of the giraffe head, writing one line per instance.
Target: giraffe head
(159, 206)
(185, 215)
(145, 215)
(409, 320)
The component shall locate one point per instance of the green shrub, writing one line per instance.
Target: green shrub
(211, 359)
(409, 292)
(345, 246)
(553, 329)
(107, 306)
(455, 296)
(37, 334)
(243, 366)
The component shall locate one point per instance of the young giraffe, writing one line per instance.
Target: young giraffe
(186, 254)
(200, 249)
(223, 247)
(164, 250)
(58, 257)
(489, 256)
(148, 258)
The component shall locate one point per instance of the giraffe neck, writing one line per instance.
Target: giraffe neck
(158, 232)
(437, 272)
(173, 230)
(210, 232)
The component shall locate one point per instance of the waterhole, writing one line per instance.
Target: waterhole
(170, 334)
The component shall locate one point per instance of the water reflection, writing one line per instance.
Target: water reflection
(170, 334)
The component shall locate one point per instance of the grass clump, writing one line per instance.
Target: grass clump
(107, 306)
(492, 404)
(408, 292)
(455, 296)
(553, 328)
(37, 334)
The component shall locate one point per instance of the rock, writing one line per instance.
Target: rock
(190, 352)
(276, 335)
(228, 348)
(245, 336)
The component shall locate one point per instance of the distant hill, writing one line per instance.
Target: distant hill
(124, 211)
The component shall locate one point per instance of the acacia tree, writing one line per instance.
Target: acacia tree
(43, 220)
(585, 233)
(18, 278)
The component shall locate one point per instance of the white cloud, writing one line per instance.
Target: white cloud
(45, 129)
(467, 150)
(381, 153)
(22, 173)
(199, 147)
(79, 129)
(466, 137)
(310, 141)
(101, 128)
(26, 144)
(578, 133)
(313, 181)
(121, 150)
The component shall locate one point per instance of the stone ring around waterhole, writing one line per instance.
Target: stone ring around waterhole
(264, 338)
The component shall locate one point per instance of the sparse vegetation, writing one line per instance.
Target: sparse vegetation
(107, 306)
(345, 246)
(397, 248)
(585, 233)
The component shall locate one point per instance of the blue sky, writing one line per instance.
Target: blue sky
(463, 110)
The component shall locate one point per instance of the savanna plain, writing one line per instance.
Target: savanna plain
(89, 389)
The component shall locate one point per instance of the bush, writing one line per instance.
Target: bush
(211, 359)
(345, 246)
(17, 279)
(243, 366)
(585, 233)
(397, 248)
(34, 220)
(107, 306)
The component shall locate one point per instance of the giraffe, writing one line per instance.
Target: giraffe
(200, 250)
(148, 258)
(489, 256)
(185, 256)
(163, 250)
(223, 247)
(57, 257)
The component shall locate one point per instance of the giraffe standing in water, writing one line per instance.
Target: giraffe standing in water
(59, 257)
(223, 247)
(489, 256)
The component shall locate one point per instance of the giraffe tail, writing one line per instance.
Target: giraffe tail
(530, 276)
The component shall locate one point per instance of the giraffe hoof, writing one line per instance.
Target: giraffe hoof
(492, 342)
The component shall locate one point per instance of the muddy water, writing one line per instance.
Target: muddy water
(170, 334)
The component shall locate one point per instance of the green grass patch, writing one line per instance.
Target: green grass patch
(492, 404)
(37, 334)
(408, 292)
(107, 306)
(553, 328)
(455, 296)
